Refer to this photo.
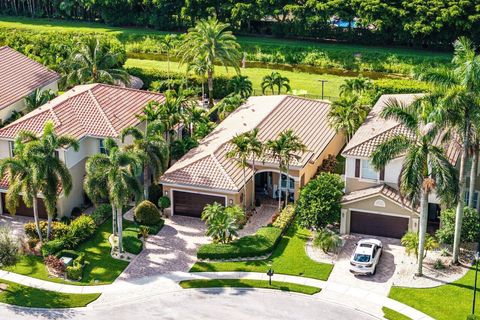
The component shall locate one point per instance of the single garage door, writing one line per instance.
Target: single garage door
(378, 224)
(192, 204)
(23, 210)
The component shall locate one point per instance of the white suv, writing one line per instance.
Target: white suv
(366, 256)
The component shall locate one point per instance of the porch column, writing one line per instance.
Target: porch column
(344, 221)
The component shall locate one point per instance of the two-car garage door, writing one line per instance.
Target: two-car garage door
(378, 224)
(192, 204)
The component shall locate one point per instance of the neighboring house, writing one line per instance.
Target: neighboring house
(90, 113)
(20, 76)
(205, 175)
(372, 204)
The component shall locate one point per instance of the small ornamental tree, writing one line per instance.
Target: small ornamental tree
(319, 202)
(470, 226)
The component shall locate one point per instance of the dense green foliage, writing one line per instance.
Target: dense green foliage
(59, 230)
(327, 240)
(101, 213)
(9, 247)
(147, 213)
(470, 226)
(319, 202)
(285, 217)
(222, 222)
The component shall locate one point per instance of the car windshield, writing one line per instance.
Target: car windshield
(359, 257)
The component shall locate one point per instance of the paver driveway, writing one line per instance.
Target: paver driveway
(15, 223)
(174, 248)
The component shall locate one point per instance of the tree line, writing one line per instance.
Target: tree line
(417, 22)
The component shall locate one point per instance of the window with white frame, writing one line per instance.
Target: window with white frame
(368, 172)
(102, 147)
(475, 199)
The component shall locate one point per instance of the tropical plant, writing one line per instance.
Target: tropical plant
(470, 226)
(425, 166)
(227, 105)
(199, 68)
(38, 98)
(163, 203)
(355, 86)
(9, 247)
(168, 45)
(144, 232)
(194, 116)
(276, 149)
(241, 85)
(411, 243)
(237, 213)
(240, 152)
(117, 171)
(347, 114)
(211, 42)
(180, 147)
(92, 62)
(51, 173)
(327, 240)
(222, 225)
(275, 79)
(255, 151)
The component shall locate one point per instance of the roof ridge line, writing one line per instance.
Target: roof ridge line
(115, 133)
(222, 169)
(372, 137)
(55, 116)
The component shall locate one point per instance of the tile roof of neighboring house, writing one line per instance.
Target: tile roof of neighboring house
(384, 190)
(20, 76)
(96, 110)
(207, 165)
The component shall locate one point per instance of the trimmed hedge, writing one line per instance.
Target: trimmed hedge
(59, 229)
(147, 213)
(52, 247)
(101, 213)
(261, 243)
(285, 217)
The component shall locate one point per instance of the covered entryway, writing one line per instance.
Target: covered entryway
(23, 210)
(378, 224)
(192, 204)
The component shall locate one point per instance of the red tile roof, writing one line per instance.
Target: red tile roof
(20, 76)
(96, 110)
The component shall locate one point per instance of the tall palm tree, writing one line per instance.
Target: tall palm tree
(275, 79)
(240, 152)
(356, 85)
(199, 68)
(22, 182)
(92, 62)
(241, 85)
(194, 116)
(210, 41)
(425, 167)
(119, 170)
(347, 114)
(276, 149)
(168, 45)
(294, 147)
(53, 173)
(460, 104)
(228, 104)
(255, 150)
(38, 98)
(151, 148)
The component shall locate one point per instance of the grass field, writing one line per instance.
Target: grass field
(390, 314)
(19, 295)
(298, 80)
(246, 283)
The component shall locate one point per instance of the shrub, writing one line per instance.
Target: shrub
(410, 242)
(59, 230)
(438, 265)
(52, 247)
(154, 193)
(473, 317)
(327, 240)
(54, 263)
(285, 218)
(222, 223)
(470, 226)
(261, 243)
(101, 213)
(9, 247)
(75, 272)
(144, 231)
(319, 201)
(164, 202)
(329, 164)
(147, 213)
(82, 228)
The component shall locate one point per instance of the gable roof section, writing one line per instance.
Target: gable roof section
(207, 165)
(20, 76)
(96, 110)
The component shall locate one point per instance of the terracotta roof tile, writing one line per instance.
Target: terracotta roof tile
(20, 76)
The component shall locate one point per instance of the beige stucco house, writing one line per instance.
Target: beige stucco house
(20, 76)
(89, 113)
(205, 174)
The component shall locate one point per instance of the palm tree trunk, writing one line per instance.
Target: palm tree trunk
(422, 232)
(287, 184)
(120, 229)
(49, 225)
(253, 182)
(244, 189)
(210, 87)
(146, 183)
(473, 175)
(35, 218)
(460, 204)
(114, 221)
(279, 189)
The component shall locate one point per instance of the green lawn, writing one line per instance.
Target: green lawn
(288, 258)
(446, 302)
(298, 80)
(19, 295)
(131, 242)
(390, 314)
(246, 283)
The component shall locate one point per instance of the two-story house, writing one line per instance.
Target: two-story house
(90, 113)
(20, 76)
(372, 204)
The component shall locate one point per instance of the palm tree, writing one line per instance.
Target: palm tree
(460, 105)
(52, 173)
(425, 167)
(210, 41)
(356, 86)
(119, 170)
(255, 150)
(276, 149)
(168, 45)
(347, 114)
(228, 104)
(21, 182)
(294, 146)
(222, 225)
(38, 98)
(194, 116)
(151, 148)
(241, 85)
(199, 68)
(275, 79)
(93, 63)
(240, 153)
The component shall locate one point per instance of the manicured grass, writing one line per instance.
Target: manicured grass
(446, 302)
(390, 314)
(19, 295)
(298, 80)
(131, 242)
(245, 283)
(289, 257)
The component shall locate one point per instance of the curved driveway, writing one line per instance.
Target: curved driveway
(198, 304)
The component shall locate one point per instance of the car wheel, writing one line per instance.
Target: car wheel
(374, 271)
